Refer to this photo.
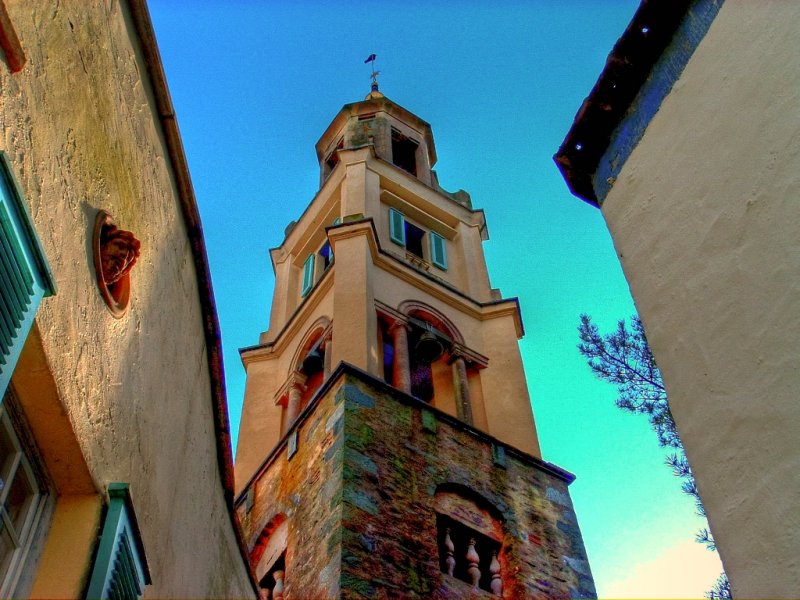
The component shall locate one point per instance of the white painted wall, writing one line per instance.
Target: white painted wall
(705, 216)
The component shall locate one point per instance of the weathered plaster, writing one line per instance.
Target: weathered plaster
(80, 124)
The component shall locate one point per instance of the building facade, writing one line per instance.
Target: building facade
(387, 444)
(114, 450)
(688, 144)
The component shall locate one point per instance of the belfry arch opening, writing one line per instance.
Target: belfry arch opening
(425, 356)
(310, 366)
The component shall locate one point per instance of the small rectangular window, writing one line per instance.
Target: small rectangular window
(326, 253)
(438, 250)
(414, 237)
(333, 158)
(308, 276)
(404, 152)
(397, 227)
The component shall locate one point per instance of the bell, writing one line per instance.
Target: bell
(312, 363)
(428, 347)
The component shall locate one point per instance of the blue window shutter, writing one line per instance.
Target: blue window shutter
(397, 227)
(308, 275)
(24, 274)
(120, 569)
(438, 250)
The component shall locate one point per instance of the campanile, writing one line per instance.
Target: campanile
(387, 444)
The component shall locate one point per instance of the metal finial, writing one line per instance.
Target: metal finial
(371, 59)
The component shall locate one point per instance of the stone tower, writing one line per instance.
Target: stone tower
(387, 445)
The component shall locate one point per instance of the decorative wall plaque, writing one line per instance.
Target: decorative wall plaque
(115, 253)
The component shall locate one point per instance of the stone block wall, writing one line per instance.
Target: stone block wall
(361, 493)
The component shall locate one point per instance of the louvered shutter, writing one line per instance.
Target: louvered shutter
(397, 227)
(438, 250)
(308, 275)
(120, 569)
(24, 277)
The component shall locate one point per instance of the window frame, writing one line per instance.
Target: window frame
(436, 243)
(308, 275)
(25, 459)
(120, 559)
(21, 253)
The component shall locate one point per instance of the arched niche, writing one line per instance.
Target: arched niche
(270, 546)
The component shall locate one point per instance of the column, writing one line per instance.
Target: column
(461, 387)
(326, 358)
(401, 370)
(295, 394)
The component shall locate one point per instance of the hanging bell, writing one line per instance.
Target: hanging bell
(428, 347)
(312, 363)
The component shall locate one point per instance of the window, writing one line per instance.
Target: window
(411, 237)
(469, 537)
(467, 554)
(308, 275)
(269, 557)
(272, 581)
(326, 254)
(24, 275)
(414, 237)
(120, 569)
(404, 152)
(333, 158)
(22, 495)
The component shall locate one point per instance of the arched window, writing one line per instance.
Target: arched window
(269, 557)
(469, 537)
(422, 357)
(309, 368)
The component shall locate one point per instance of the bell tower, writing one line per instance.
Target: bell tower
(387, 443)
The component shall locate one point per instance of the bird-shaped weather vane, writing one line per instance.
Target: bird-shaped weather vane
(371, 59)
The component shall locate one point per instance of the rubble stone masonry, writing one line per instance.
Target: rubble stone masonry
(362, 490)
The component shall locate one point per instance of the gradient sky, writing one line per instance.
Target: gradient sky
(255, 84)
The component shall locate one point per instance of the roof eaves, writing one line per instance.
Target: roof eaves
(627, 69)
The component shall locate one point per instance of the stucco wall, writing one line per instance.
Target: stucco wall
(79, 125)
(705, 217)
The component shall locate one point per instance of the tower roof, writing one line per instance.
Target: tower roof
(373, 103)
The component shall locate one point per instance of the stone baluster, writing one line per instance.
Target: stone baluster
(497, 584)
(473, 560)
(450, 561)
(277, 591)
(401, 372)
(461, 386)
(296, 387)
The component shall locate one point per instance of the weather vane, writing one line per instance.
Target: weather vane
(371, 59)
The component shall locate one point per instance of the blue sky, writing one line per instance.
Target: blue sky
(255, 84)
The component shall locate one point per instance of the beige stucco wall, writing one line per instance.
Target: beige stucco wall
(705, 217)
(79, 124)
(364, 276)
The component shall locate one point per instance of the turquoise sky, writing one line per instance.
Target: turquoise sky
(256, 83)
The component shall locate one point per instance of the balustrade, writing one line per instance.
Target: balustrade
(467, 555)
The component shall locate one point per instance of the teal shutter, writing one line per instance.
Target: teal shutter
(397, 227)
(308, 275)
(120, 569)
(337, 221)
(24, 276)
(438, 250)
